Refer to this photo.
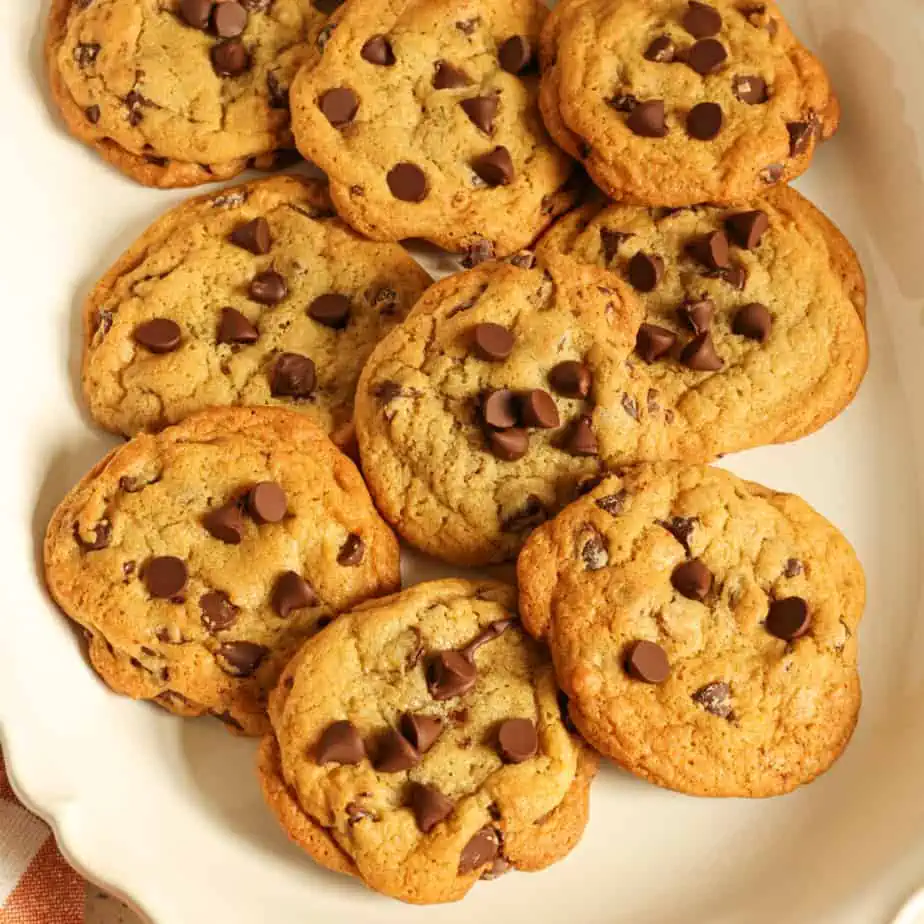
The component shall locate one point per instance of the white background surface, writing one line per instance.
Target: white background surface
(168, 812)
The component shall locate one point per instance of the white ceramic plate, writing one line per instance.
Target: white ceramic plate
(167, 812)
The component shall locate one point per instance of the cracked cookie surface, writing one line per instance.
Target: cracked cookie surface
(268, 299)
(174, 104)
(704, 628)
(193, 584)
(424, 114)
(673, 103)
(381, 768)
(754, 321)
(467, 437)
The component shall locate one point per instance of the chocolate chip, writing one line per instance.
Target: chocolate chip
(754, 322)
(647, 662)
(339, 106)
(788, 619)
(750, 89)
(481, 111)
(611, 241)
(448, 77)
(468, 26)
(747, 229)
(421, 730)
(499, 409)
(268, 288)
(159, 335)
(293, 376)
(85, 53)
(704, 121)
(217, 611)
(571, 379)
(225, 523)
(253, 236)
(793, 568)
(278, 94)
(92, 113)
(134, 101)
(623, 102)
(266, 502)
(706, 56)
(479, 851)
(164, 576)
(229, 19)
(292, 592)
(499, 866)
(700, 355)
(196, 13)
(450, 674)
(241, 659)
(429, 805)
(495, 167)
(613, 504)
(407, 182)
(593, 549)
(661, 50)
(524, 259)
(681, 528)
(581, 440)
(490, 632)
(515, 54)
(477, 253)
(509, 445)
(652, 342)
(230, 58)
(102, 534)
(235, 328)
(538, 409)
(645, 271)
(331, 310)
(356, 813)
(492, 342)
(711, 250)
(340, 744)
(735, 275)
(517, 740)
(377, 50)
(395, 753)
(648, 120)
(800, 136)
(702, 20)
(325, 6)
(692, 579)
(697, 315)
(352, 551)
(772, 173)
(715, 698)
(527, 517)
(386, 392)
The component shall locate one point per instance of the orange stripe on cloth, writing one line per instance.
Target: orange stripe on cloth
(50, 892)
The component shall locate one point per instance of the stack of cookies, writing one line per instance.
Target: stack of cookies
(295, 391)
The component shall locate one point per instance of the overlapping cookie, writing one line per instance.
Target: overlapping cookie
(198, 560)
(704, 628)
(181, 92)
(674, 103)
(255, 295)
(418, 744)
(481, 414)
(424, 114)
(753, 330)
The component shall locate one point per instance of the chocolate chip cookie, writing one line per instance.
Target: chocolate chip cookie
(424, 113)
(199, 559)
(257, 295)
(480, 415)
(704, 628)
(180, 92)
(418, 744)
(673, 103)
(754, 322)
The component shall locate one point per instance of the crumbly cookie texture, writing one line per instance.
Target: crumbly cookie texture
(673, 103)
(198, 560)
(257, 295)
(418, 744)
(179, 93)
(470, 426)
(753, 330)
(424, 113)
(704, 628)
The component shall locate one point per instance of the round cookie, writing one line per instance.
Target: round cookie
(754, 321)
(672, 103)
(183, 92)
(704, 628)
(424, 114)
(418, 744)
(476, 417)
(199, 559)
(257, 295)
